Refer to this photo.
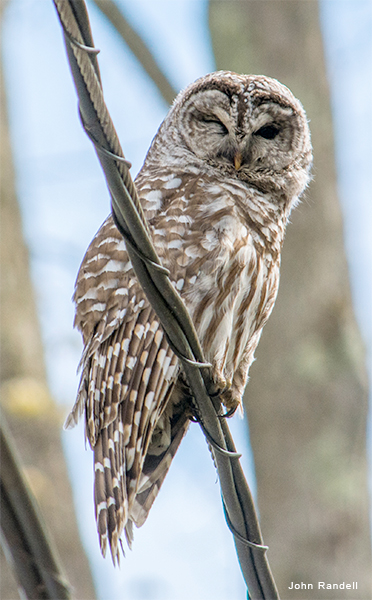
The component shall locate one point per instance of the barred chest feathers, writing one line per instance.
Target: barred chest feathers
(226, 270)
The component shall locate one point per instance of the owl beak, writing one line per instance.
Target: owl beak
(238, 159)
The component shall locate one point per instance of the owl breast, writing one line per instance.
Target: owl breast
(221, 266)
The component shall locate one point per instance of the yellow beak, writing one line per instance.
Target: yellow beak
(238, 160)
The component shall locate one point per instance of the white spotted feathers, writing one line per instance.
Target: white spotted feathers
(218, 184)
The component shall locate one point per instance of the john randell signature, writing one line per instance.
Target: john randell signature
(322, 585)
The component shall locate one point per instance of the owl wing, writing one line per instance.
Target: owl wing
(128, 375)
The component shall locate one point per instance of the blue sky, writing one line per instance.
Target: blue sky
(64, 199)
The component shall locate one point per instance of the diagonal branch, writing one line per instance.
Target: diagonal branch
(23, 532)
(138, 47)
(237, 500)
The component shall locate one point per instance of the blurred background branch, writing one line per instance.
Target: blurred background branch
(34, 419)
(24, 538)
(139, 48)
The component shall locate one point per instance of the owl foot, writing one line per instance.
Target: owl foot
(230, 399)
(224, 389)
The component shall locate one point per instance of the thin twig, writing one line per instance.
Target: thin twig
(129, 217)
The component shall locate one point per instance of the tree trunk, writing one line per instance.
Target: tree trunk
(33, 417)
(307, 397)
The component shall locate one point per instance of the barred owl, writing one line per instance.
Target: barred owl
(219, 181)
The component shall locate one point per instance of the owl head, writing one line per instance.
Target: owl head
(245, 127)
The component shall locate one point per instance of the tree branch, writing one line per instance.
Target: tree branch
(240, 513)
(138, 47)
(24, 535)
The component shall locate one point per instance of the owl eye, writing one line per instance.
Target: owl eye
(269, 132)
(222, 128)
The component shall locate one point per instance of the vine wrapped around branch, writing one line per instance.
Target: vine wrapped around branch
(129, 218)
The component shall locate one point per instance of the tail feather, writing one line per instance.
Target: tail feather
(110, 490)
(156, 468)
(114, 514)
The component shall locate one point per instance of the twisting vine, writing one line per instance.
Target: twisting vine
(128, 215)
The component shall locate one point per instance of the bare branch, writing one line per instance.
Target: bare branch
(24, 536)
(238, 504)
(138, 47)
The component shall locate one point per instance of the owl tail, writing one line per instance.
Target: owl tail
(111, 498)
(154, 471)
(110, 487)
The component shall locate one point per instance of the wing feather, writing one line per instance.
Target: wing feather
(127, 380)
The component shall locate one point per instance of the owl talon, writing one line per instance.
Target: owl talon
(229, 413)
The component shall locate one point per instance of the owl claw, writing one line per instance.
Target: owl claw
(223, 388)
(229, 413)
(231, 400)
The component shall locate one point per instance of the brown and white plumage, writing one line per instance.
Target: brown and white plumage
(220, 179)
